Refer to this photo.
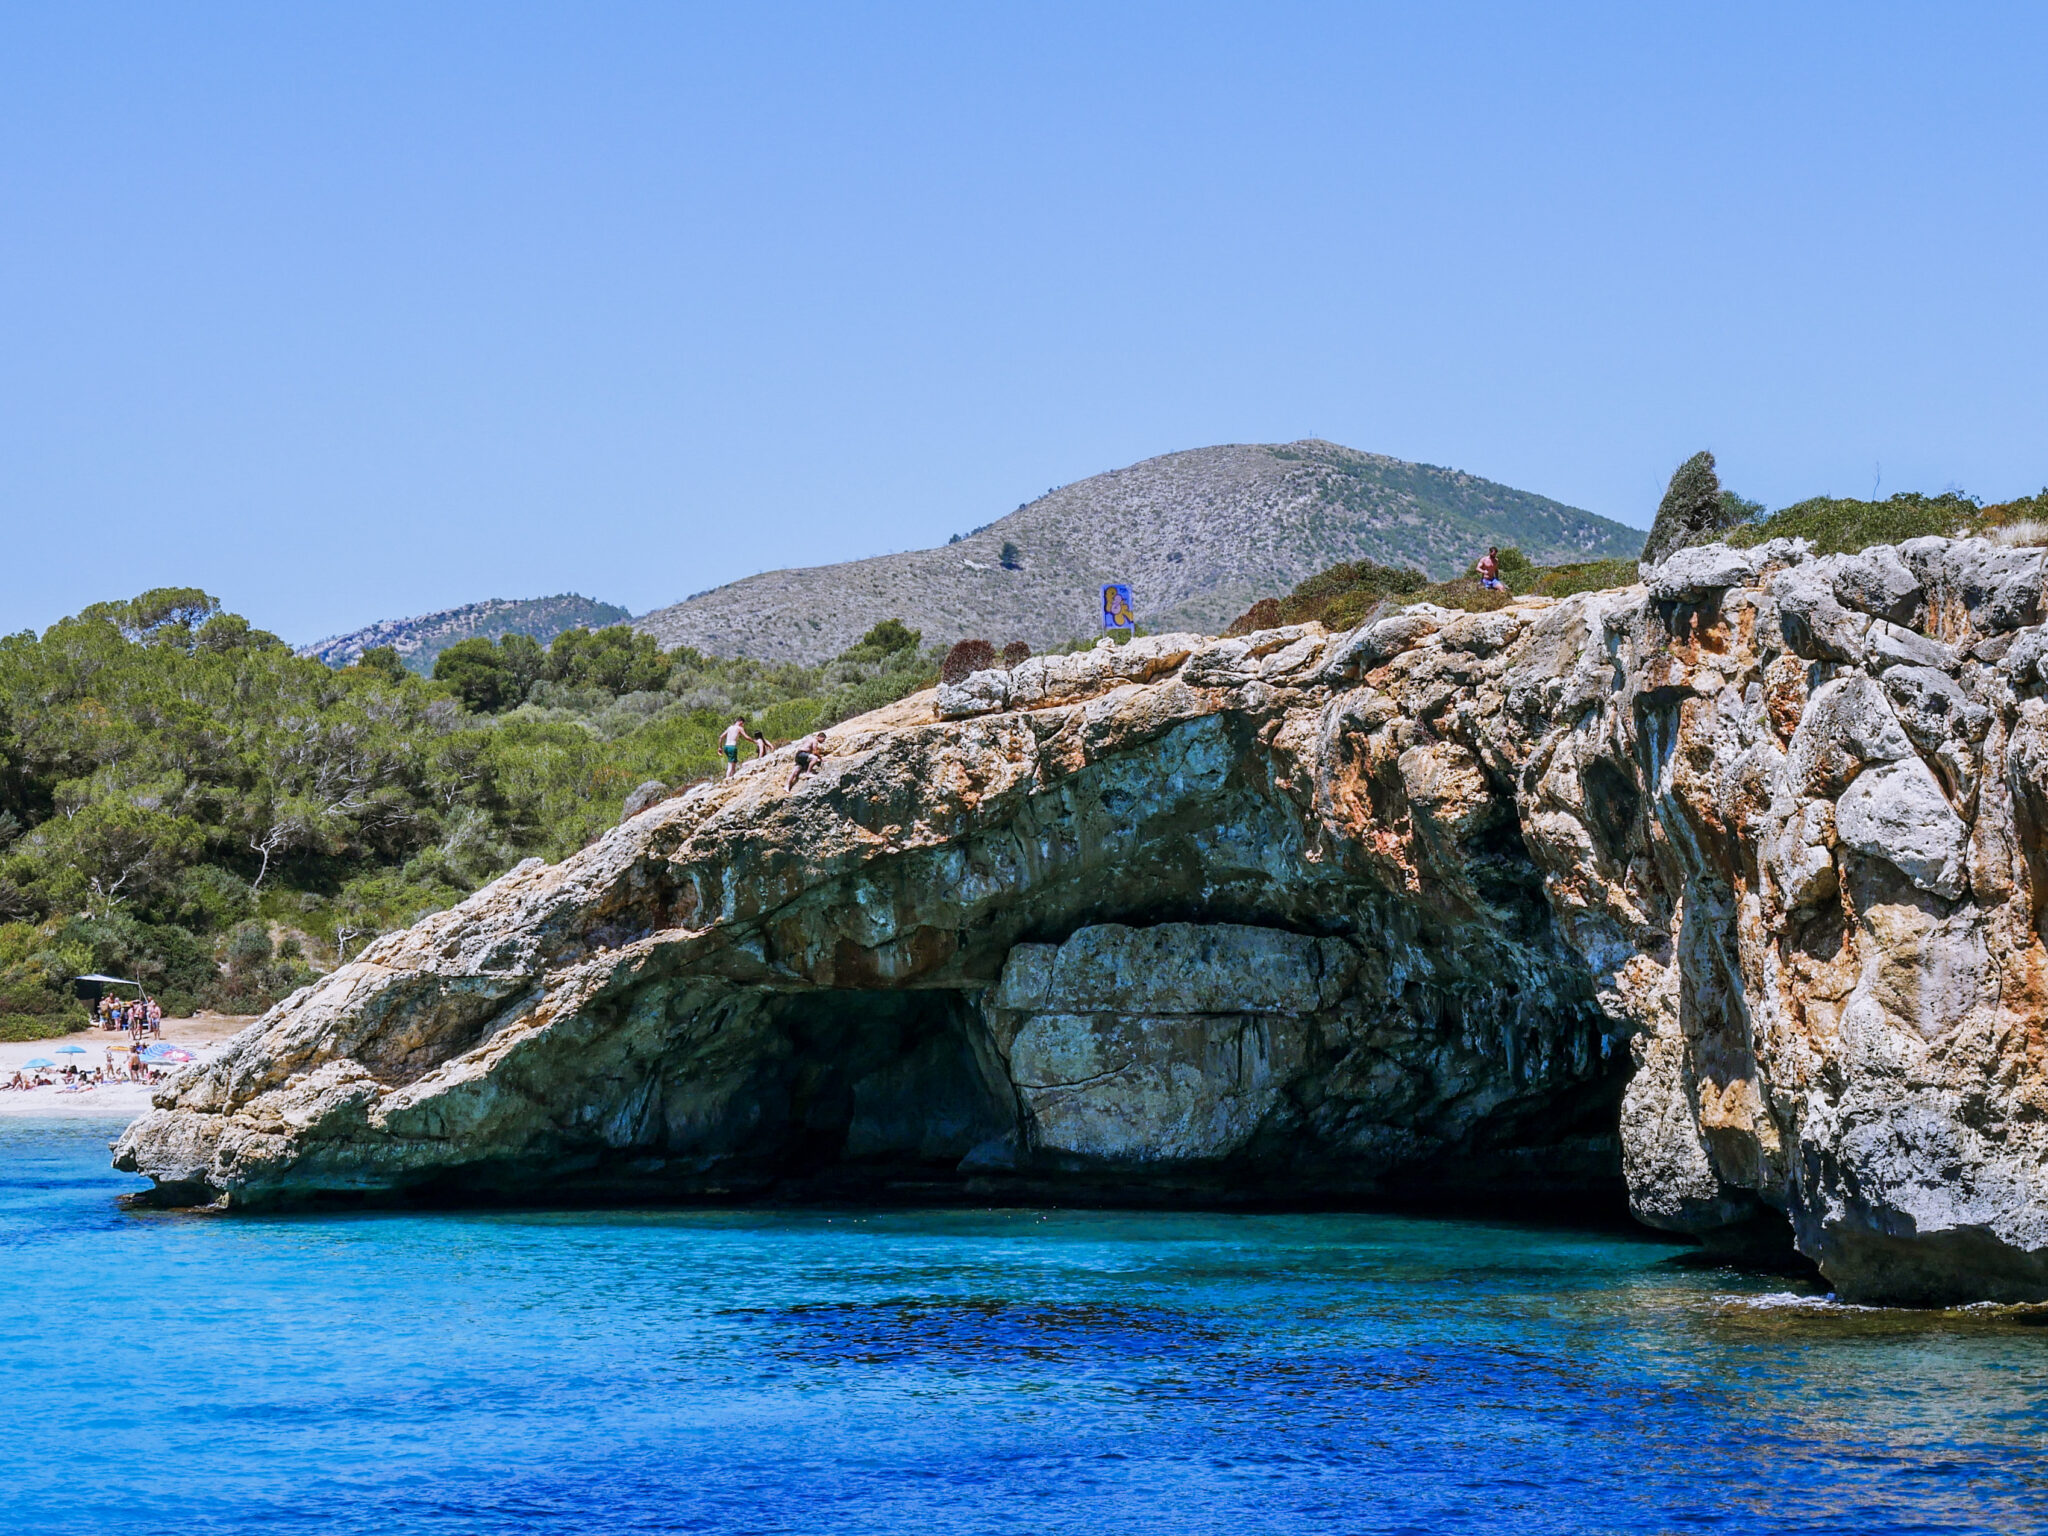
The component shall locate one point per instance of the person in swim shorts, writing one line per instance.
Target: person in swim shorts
(809, 753)
(1489, 572)
(729, 743)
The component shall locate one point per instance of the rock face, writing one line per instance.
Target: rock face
(1726, 888)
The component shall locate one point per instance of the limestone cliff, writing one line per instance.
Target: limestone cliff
(1726, 886)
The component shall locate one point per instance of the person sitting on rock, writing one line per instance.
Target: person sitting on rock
(809, 753)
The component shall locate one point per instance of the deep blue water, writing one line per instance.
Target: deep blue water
(961, 1372)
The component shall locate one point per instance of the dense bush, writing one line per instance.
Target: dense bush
(1347, 595)
(1836, 525)
(1016, 651)
(965, 659)
(1339, 597)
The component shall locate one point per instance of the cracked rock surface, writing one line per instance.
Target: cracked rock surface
(1725, 888)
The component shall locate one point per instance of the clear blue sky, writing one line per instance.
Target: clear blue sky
(353, 311)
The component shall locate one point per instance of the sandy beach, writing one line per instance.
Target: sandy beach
(110, 1101)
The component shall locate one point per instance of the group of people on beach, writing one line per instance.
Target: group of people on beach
(138, 1015)
(810, 752)
(140, 1018)
(71, 1079)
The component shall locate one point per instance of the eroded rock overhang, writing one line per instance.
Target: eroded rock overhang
(1724, 884)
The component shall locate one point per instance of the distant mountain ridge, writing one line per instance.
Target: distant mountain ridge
(1198, 535)
(419, 640)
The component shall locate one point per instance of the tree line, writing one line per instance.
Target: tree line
(186, 802)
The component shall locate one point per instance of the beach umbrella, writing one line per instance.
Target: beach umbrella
(39, 1061)
(70, 1050)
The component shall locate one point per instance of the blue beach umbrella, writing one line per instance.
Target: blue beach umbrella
(70, 1050)
(39, 1061)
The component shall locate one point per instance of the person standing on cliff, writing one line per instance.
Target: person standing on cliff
(729, 743)
(1489, 571)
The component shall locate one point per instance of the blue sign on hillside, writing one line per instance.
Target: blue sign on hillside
(1116, 606)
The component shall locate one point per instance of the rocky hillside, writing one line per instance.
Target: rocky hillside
(1720, 891)
(1198, 536)
(418, 641)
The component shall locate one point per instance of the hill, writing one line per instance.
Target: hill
(419, 640)
(1197, 535)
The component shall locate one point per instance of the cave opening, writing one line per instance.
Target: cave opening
(882, 1088)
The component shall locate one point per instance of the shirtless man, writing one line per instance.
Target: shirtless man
(809, 753)
(729, 743)
(1489, 572)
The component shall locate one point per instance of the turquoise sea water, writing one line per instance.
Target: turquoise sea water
(961, 1371)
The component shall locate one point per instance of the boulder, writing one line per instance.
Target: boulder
(1801, 859)
(1847, 724)
(1897, 812)
(1877, 582)
(1163, 1044)
(1933, 708)
(1383, 639)
(1975, 588)
(1815, 625)
(1694, 573)
(641, 797)
(1893, 645)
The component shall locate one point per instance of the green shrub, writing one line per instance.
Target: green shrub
(1465, 593)
(1337, 598)
(32, 1006)
(1345, 596)
(2026, 509)
(1590, 576)
(1348, 610)
(889, 637)
(40, 1026)
(1838, 525)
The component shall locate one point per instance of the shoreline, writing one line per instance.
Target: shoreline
(204, 1037)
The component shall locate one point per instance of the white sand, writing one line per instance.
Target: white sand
(110, 1101)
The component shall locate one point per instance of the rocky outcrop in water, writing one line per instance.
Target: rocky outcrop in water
(1721, 888)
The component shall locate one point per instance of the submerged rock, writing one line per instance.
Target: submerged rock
(1721, 890)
